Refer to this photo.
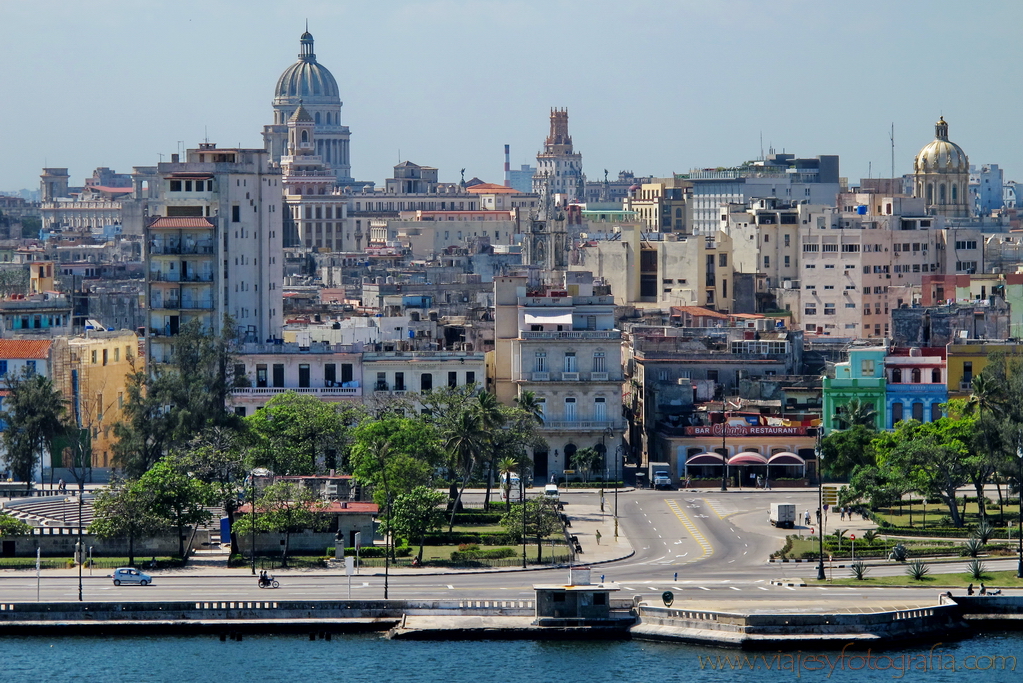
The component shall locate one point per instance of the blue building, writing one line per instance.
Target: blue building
(916, 385)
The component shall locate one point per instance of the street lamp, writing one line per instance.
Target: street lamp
(252, 520)
(81, 541)
(618, 465)
(1019, 491)
(724, 449)
(819, 452)
(522, 500)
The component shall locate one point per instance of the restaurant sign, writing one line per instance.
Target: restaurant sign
(746, 430)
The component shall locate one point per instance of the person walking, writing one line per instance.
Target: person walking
(969, 589)
(806, 518)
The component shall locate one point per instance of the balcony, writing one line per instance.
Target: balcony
(583, 425)
(175, 247)
(966, 386)
(573, 334)
(598, 376)
(312, 391)
(541, 376)
(570, 377)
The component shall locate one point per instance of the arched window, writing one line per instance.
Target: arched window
(935, 376)
(930, 193)
(941, 193)
(316, 118)
(896, 375)
(955, 193)
(305, 136)
(916, 376)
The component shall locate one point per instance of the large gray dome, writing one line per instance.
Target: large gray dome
(306, 79)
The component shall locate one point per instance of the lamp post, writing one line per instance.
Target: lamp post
(252, 520)
(724, 449)
(819, 452)
(618, 466)
(1019, 490)
(522, 500)
(81, 543)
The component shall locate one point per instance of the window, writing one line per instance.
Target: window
(278, 377)
(600, 409)
(850, 248)
(935, 411)
(935, 376)
(722, 260)
(94, 356)
(426, 382)
(175, 186)
(347, 373)
(303, 375)
(787, 261)
(867, 367)
(918, 411)
(662, 375)
(767, 261)
(810, 310)
(540, 362)
(452, 379)
(811, 247)
(381, 381)
(470, 378)
(570, 413)
(896, 413)
(570, 365)
(966, 244)
(261, 376)
(236, 214)
(915, 375)
(3, 368)
(897, 375)
(829, 309)
(329, 374)
(104, 356)
(399, 381)
(829, 247)
(599, 364)
(787, 239)
(850, 305)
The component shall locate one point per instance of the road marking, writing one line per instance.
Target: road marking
(653, 588)
(703, 588)
(821, 588)
(450, 587)
(735, 588)
(761, 588)
(628, 588)
(790, 588)
(705, 545)
(676, 588)
(717, 508)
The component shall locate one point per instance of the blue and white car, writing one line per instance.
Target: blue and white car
(128, 575)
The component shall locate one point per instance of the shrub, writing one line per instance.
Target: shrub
(468, 547)
(972, 548)
(476, 554)
(859, 570)
(488, 518)
(976, 569)
(869, 536)
(899, 553)
(918, 570)
(983, 532)
(372, 551)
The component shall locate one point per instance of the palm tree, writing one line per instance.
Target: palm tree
(505, 468)
(987, 395)
(464, 440)
(857, 412)
(491, 419)
(530, 406)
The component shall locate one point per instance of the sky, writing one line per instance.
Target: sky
(653, 88)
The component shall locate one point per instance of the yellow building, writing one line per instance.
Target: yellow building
(966, 361)
(92, 371)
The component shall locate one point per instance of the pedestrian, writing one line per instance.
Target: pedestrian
(969, 589)
(676, 576)
(818, 516)
(60, 484)
(842, 511)
(602, 580)
(806, 518)
(983, 588)
(597, 534)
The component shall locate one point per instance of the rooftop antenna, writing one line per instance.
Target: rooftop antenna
(891, 136)
(206, 134)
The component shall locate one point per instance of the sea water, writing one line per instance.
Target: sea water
(371, 658)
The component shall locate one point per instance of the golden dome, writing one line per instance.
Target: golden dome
(941, 155)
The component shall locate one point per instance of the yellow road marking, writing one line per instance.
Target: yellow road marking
(713, 506)
(705, 545)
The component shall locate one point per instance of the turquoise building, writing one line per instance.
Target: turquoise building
(861, 377)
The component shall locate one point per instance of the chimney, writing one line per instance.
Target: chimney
(507, 165)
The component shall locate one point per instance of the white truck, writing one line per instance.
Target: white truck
(660, 475)
(783, 515)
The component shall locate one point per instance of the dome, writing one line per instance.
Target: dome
(941, 155)
(306, 78)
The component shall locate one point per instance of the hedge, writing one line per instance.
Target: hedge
(372, 551)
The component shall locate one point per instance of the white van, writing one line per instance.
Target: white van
(514, 490)
(551, 491)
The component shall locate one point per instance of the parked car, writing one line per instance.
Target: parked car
(131, 575)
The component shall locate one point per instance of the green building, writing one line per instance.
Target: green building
(862, 377)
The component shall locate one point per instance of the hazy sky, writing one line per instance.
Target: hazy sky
(653, 87)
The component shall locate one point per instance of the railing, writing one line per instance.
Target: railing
(160, 276)
(541, 376)
(570, 377)
(574, 334)
(598, 376)
(582, 424)
(315, 391)
(158, 248)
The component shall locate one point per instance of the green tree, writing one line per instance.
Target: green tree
(178, 497)
(506, 467)
(394, 453)
(217, 458)
(464, 438)
(286, 507)
(584, 460)
(34, 412)
(541, 520)
(846, 449)
(530, 406)
(492, 418)
(12, 526)
(298, 434)
(856, 412)
(415, 514)
(169, 405)
(126, 510)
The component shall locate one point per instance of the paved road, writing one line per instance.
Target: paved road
(718, 543)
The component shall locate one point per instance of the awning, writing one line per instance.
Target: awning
(786, 458)
(747, 458)
(548, 318)
(704, 459)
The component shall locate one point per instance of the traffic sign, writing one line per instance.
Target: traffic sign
(668, 598)
(830, 495)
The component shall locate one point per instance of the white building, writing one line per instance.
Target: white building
(559, 341)
(558, 166)
(213, 246)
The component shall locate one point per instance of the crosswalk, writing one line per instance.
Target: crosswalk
(682, 586)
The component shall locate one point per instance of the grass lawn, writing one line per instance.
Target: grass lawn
(810, 544)
(931, 515)
(843, 577)
(476, 528)
(141, 562)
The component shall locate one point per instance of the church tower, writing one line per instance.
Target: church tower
(546, 244)
(941, 175)
(558, 166)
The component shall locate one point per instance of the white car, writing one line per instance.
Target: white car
(131, 575)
